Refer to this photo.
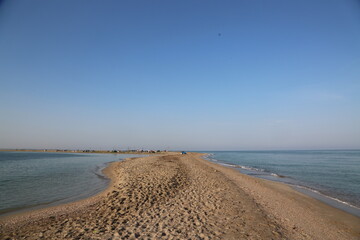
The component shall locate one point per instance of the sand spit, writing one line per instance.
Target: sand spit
(185, 197)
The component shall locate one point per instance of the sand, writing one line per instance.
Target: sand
(185, 197)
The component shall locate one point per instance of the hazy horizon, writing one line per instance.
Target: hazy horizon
(179, 150)
(215, 75)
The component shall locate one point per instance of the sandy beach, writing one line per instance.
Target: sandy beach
(174, 196)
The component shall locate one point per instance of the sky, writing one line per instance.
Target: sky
(192, 75)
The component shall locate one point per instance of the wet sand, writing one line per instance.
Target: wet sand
(185, 197)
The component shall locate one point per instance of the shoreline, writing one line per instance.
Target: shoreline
(313, 193)
(286, 211)
(97, 172)
(67, 207)
(334, 214)
(70, 206)
(61, 208)
(57, 203)
(147, 152)
(328, 200)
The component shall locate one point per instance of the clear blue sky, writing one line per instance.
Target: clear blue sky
(195, 75)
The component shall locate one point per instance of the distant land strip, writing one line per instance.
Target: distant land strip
(88, 151)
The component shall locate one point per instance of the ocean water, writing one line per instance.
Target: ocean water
(333, 174)
(30, 180)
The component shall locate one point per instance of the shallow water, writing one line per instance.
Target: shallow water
(36, 179)
(332, 173)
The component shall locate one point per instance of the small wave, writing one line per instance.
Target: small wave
(100, 175)
(98, 170)
(251, 168)
(228, 164)
(278, 175)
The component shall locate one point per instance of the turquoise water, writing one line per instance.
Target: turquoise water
(332, 173)
(31, 179)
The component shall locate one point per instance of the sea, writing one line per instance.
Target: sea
(32, 180)
(331, 176)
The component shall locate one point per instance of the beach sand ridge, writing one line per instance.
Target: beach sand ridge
(169, 197)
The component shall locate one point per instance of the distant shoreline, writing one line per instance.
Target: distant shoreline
(87, 151)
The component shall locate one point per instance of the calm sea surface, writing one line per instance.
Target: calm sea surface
(31, 180)
(332, 173)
